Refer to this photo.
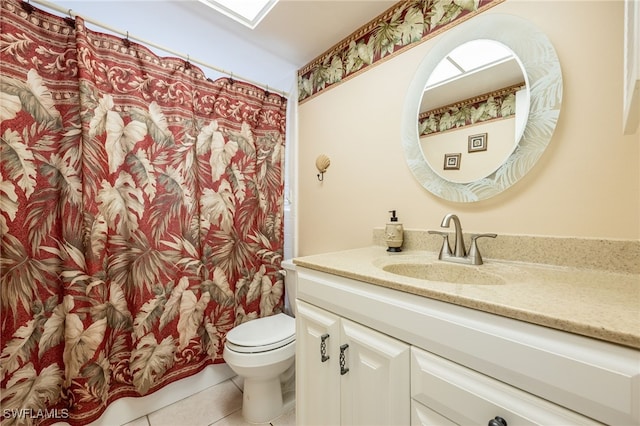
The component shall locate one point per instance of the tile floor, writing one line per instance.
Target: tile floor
(219, 405)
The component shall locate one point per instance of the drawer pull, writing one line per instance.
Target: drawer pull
(497, 421)
(323, 348)
(343, 370)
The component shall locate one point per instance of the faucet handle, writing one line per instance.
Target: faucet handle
(446, 248)
(475, 236)
(474, 253)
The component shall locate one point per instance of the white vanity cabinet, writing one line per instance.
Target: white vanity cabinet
(465, 366)
(347, 373)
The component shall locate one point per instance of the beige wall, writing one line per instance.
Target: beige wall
(587, 184)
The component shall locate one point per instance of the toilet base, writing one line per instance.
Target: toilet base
(263, 400)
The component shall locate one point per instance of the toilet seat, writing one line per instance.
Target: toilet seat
(262, 334)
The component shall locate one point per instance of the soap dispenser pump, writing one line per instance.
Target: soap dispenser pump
(393, 233)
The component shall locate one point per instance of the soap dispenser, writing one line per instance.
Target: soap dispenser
(393, 233)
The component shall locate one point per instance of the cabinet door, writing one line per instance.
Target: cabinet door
(376, 388)
(317, 380)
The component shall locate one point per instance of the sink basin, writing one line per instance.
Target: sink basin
(444, 272)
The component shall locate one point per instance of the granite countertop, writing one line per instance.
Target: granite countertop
(596, 303)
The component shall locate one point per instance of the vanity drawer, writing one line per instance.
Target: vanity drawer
(421, 415)
(466, 397)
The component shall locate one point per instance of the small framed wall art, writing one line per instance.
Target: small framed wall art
(452, 161)
(478, 142)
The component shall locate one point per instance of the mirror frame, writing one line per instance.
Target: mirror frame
(544, 75)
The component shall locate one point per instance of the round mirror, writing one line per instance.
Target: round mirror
(487, 98)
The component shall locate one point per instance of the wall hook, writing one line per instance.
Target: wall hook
(322, 164)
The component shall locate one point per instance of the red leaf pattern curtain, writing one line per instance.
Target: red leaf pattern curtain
(141, 215)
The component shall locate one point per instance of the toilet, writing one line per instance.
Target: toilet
(262, 352)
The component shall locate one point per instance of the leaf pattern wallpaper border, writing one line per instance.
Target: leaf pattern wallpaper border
(403, 26)
(490, 106)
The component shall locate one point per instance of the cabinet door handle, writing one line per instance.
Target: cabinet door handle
(497, 421)
(343, 370)
(323, 348)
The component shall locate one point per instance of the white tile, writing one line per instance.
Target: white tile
(239, 381)
(201, 409)
(140, 421)
(288, 418)
(234, 419)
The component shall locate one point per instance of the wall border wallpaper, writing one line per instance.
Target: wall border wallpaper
(401, 27)
(490, 106)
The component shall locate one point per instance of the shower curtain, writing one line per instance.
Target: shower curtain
(141, 218)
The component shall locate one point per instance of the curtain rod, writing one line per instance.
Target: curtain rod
(126, 34)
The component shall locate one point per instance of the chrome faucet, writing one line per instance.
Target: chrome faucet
(460, 254)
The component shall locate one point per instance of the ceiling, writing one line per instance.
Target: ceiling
(298, 31)
(486, 80)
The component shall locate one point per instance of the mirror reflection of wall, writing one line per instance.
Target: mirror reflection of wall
(479, 88)
(476, 164)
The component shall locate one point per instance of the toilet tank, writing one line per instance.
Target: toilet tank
(290, 286)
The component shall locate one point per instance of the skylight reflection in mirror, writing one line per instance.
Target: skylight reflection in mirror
(468, 58)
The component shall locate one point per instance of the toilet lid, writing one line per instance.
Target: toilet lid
(262, 333)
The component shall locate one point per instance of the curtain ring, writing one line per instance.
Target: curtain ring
(69, 20)
(126, 41)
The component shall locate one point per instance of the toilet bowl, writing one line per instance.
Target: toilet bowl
(262, 352)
